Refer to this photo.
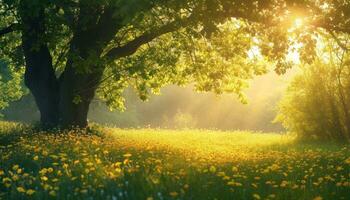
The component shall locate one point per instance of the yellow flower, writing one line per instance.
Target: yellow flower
(347, 161)
(2, 172)
(44, 178)
(173, 194)
(43, 171)
(30, 192)
(212, 169)
(36, 158)
(256, 196)
(149, 198)
(284, 184)
(21, 189)
(84, 191)
(127, 155)
(234, 169)
(339, 168)
(15, 167)
(15, 177)
(318, 198)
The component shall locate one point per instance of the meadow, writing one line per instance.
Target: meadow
(149, 164)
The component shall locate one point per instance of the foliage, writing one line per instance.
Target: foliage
(316, 102)
(149, 44)
(10, 84)
(156, 164)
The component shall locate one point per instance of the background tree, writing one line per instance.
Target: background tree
(71, 49)
(316, 105)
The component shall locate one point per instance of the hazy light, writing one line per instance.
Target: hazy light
(298, 23)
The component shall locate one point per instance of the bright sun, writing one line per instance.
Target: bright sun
(298, 22)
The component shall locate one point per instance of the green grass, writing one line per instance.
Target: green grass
(163, 164)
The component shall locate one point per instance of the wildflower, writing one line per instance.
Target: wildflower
(149, 198)
(84, 191)
(212, 169)
(30, 192)
(284, 184)
(21, 189)
(127, 155)
(15, 177)
(256, 196)
(173, 194)
(36, 158)
(347, 161)
(318, 198)
(234, 169)
(339, 168)
(1, 172)
(44, 178)
(15, 167)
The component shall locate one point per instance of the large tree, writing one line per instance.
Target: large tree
(73, 49)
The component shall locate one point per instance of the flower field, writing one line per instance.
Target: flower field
(163, 164)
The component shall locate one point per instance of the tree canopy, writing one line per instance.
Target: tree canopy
(73, 49)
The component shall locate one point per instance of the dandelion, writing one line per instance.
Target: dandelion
(173, 194)
(318, 198)
(30, 192)
(15, 167)
(212, 169)
(347, 161)
(127, 155)
(15, 177)
(21, 189)
(234, 169)
(44, 178)
(84, 191)
(256, 196)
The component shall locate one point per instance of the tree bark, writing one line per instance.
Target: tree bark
(77, 92)
(40, 76)
(77, 85)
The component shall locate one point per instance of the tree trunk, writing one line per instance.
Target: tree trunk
(77, 86)
(40, 76)
(77, 92)
(42, 82)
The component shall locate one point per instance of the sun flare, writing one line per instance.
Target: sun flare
(298, 22)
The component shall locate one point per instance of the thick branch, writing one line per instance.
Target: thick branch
(132, 46)
(7, 30)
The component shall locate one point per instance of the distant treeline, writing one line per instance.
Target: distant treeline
(179, 107)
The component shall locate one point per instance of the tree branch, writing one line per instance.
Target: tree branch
(132, 46)
(7, 30)
(341, 45)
